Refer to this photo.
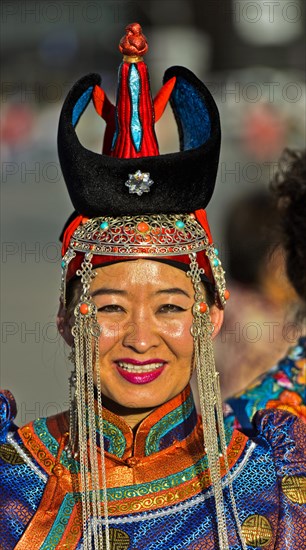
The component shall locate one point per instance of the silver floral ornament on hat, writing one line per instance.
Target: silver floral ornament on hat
(139, 183)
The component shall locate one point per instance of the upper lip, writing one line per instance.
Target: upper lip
(140, 363)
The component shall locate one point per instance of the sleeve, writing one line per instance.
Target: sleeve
(286, 434)
(8, 411)
(21, 487)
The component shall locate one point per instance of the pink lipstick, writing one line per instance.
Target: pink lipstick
(140, 372)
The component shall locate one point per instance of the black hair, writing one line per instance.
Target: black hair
(250, 232)
(289, 190)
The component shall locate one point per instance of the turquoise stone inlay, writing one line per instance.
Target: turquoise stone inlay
(135, 125)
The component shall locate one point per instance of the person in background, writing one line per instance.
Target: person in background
(259, 315)
(284, 385)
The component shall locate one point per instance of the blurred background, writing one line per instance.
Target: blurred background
(251, 55)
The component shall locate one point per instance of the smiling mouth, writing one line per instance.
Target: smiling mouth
(137, 369)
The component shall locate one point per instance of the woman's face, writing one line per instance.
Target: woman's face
(145, 313)
(146, 348)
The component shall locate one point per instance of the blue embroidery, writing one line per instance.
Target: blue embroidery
(171, 423)
(6, 415)
(287, 375)
(21, 490)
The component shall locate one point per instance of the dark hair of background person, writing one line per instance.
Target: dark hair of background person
(289, 191)
(250, 232)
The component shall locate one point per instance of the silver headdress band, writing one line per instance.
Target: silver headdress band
(145, 236)
(150, 236)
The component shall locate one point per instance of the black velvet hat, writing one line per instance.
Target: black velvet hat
(101, 184)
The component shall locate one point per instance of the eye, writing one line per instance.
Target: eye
(170, 308)
(111, 308)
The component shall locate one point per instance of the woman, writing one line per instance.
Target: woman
(284, 385)
(133, 466)
(253, 334)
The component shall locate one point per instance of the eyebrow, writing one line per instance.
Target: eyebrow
(107, 291)
(173, 290)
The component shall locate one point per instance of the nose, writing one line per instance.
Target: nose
(140, 333)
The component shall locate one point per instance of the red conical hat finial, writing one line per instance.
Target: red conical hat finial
(134, 135)
(130, 124)
(133, 43)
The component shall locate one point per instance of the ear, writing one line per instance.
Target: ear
(64, 324)
(216, 316)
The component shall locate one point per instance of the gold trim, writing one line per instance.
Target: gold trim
(132, 58)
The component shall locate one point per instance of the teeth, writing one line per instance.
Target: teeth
(140, 368)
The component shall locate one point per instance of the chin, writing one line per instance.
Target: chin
(137, 399)
(140, 402)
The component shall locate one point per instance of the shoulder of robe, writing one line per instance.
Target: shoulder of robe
(286, 435)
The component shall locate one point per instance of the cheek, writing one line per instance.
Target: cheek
(109, 335)
(178, 336)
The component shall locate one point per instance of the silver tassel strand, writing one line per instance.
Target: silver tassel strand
(86, 332)
(210, 404)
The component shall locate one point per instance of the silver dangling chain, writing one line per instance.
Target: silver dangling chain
(210, 403)
(86, 332)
